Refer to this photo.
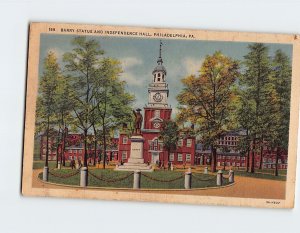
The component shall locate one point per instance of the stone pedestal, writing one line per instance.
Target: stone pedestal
(45, 173)
(188, 180)
(83, 177)
(136, 160)
(137, 180)
(231, 176)
(220, 178)
(206, 170)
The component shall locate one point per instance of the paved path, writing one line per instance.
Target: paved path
(245, 187)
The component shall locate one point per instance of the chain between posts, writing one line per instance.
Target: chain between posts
(228, 176)
(112, 180)
(197, 178)
(65, 175)
(165, 181)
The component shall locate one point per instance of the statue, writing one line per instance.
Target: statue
(138, 121)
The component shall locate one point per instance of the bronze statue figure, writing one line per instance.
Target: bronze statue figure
(138, 121)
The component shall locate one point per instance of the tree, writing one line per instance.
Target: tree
(64, 106)
(256, 86)
(281, 78)
(206, 99)
(46, 106)
(243, 119)
(81, 64)
(112, 101)
(169, 136)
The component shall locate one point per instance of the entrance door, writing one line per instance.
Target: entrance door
(154, 157)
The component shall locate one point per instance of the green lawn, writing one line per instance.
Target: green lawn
(52, 164)
(264, 175)
(36, 152)
(153, 180)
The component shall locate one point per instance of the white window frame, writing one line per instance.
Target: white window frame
(157, 113)
(189, 142)
(180, 142)
(179, 157)
(171, 157)
(125, 140)
(188, 157)
(124, 155)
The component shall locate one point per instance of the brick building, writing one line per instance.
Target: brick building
(74, 148)
(155, 112)
(228, 154)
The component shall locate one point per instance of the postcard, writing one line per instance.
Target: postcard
(161, 115)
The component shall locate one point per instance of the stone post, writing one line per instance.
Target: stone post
(231, 176)
(220, 178)
(188, 180)
(45, 173)
(59, 165)
(206, 170)
(137, 180)
(83, 177)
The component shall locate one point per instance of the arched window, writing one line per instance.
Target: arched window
(158, 75)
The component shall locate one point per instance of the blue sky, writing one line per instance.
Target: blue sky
(138, 58)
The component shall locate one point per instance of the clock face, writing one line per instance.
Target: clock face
(157, 97)
(156, 125)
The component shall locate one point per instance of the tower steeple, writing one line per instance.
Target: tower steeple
(159, 70)
(159, 60)
(158, 88)
(157, 110)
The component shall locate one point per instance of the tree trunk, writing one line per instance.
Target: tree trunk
(64, 148)
(95, 152)
(248, 160)
(47, 141)
(248, 152)
(277, 158)
(57, 156)
(213, 159)
(104, 143)
(95, 144)
(85, 149)
(261, 153)
(253, 157)
(57, 147)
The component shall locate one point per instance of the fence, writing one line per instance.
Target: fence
(188, 176)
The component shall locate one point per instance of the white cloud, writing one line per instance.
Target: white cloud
(129, 62)
(131, 79)
(58, 52)
(192, 65)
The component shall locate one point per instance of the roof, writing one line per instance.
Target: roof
(160, 68)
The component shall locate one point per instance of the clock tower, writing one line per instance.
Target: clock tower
(157, 109)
